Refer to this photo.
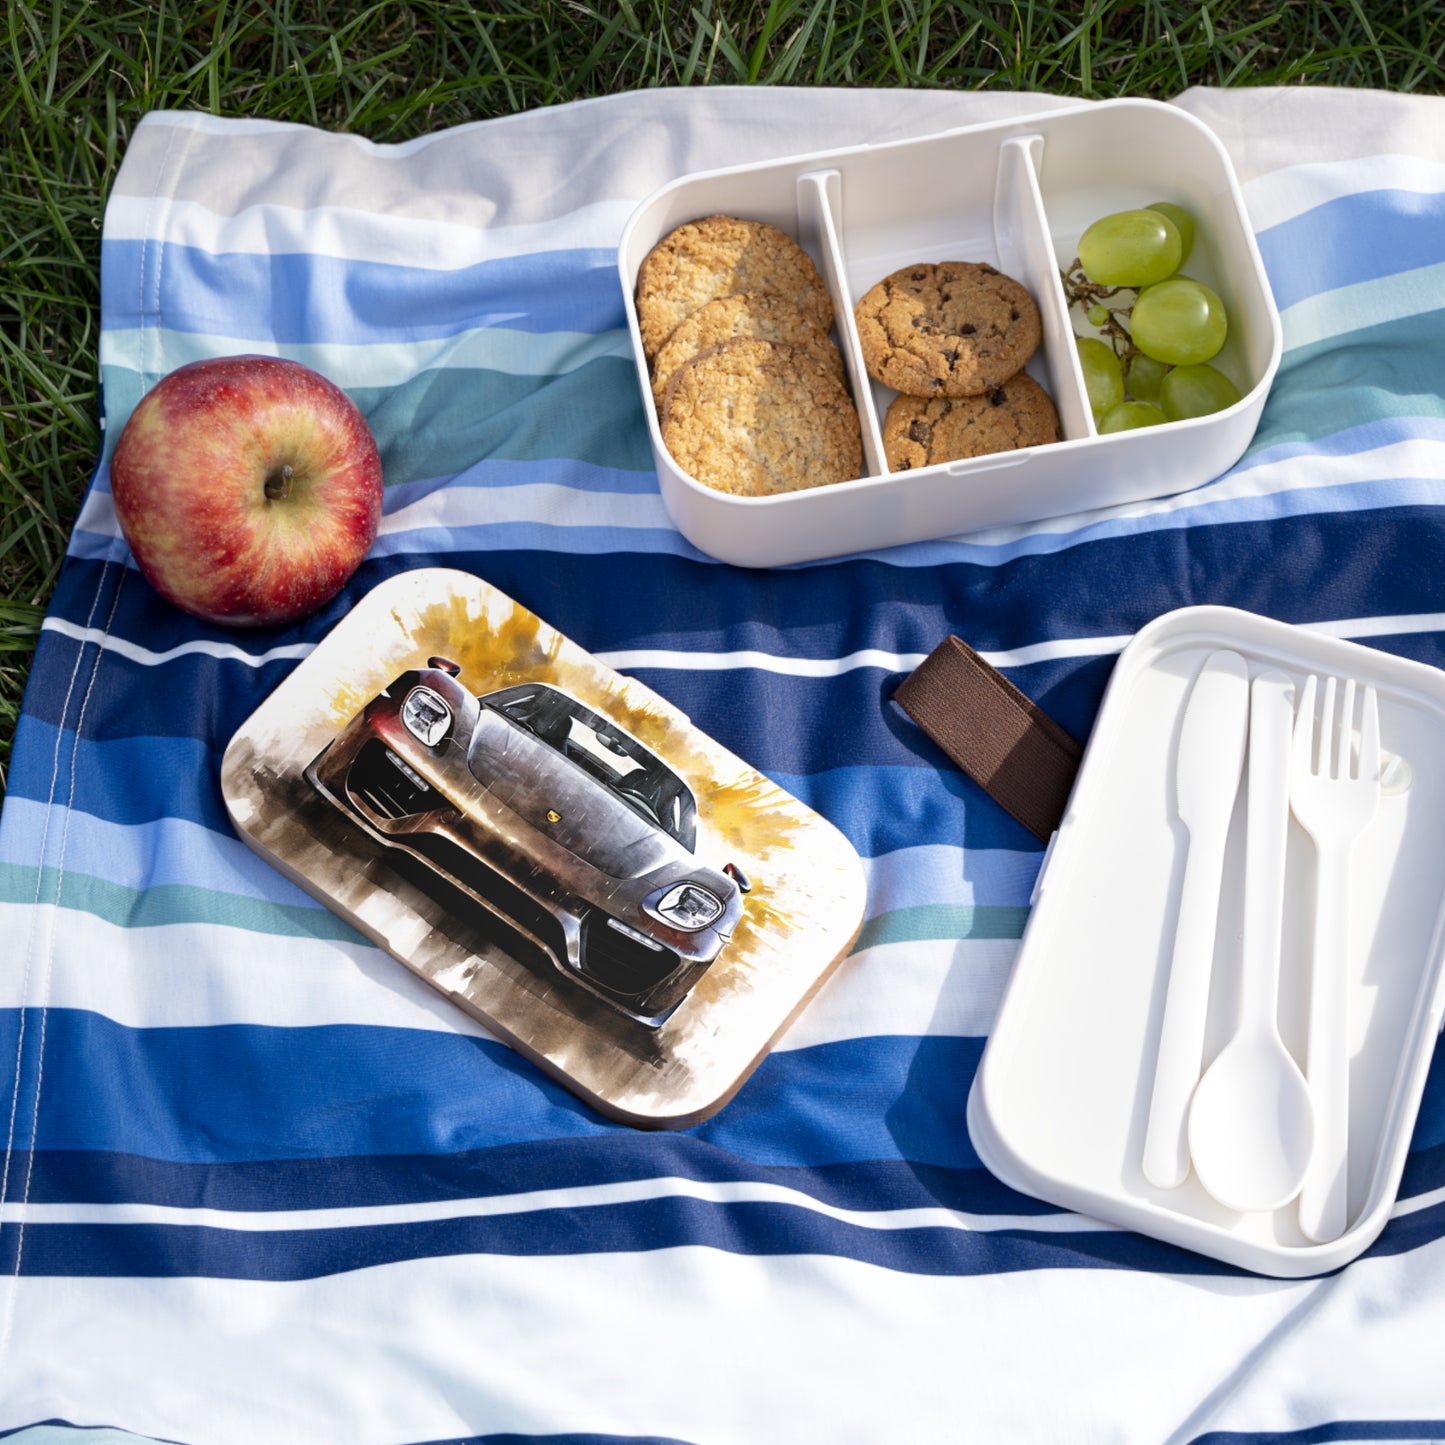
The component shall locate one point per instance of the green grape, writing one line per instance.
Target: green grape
(1179, 322)
(1130, 248)
(1183, 223)
(1196, 391)
(1103, 376)
(1098, 315)
(1129, 415)
(1144, 376)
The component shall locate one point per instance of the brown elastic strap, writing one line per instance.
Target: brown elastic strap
(1011, 748)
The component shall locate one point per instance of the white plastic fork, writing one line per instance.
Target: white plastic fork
(1334, 795)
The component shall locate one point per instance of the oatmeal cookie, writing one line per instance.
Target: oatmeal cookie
(716, 256)
(956, 328)
(918, 432)
(752, 417)
(748, 313)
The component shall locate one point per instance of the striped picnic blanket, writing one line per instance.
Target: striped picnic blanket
(261, 1184)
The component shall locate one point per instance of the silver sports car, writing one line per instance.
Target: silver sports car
(548, 817)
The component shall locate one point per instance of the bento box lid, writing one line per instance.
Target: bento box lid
(549, 844)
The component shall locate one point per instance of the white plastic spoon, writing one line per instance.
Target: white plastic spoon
(1251, 1121)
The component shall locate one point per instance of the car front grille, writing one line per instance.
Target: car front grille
(620, 964)
(504, 896)
(378, 780)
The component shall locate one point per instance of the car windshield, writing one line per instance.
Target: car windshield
(643, 781)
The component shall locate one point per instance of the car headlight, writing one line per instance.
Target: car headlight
(427, 717)
(687, 906)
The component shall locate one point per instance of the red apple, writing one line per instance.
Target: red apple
(248, 487)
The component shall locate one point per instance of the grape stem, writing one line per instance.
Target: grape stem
(1086, 295)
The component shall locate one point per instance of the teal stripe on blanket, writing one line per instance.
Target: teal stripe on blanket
(167, 903)
(146, 855)
(1374, 374)
(484, 348)
(442, 422)
(933, 921)
(172, 903)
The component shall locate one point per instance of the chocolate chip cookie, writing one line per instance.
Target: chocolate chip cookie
(749, 313)
(717, 256)
(955, 328)
(753, 418)
(918, 432)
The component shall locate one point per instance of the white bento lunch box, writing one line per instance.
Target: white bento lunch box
(1061, 1102)
(1016, 195)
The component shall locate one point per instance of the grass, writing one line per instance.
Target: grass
(76, 77)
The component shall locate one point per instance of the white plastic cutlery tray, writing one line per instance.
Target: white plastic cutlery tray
(1061, 1102)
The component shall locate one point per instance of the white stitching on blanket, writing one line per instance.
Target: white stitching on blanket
(164, 189)
(30, 950)
(39, 884)
(44, 990)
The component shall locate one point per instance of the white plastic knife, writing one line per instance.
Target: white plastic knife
(1210, 760)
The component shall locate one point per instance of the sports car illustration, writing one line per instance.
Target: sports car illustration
(551, 819)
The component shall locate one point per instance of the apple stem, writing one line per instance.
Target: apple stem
(278, 484)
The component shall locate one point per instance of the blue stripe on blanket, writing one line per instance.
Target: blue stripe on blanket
(168, 853)
(495, 473)
(665, 1219)
(342, 1090)
(668, 1220)
(1353, 238)
(298, 297)
(1362, 567)
(560, 537)
(619, 1157)
(1336, 1432)
(756, 1229)
(130, 780)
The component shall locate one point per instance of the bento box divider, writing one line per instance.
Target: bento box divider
(820, 224)
(1025, 250)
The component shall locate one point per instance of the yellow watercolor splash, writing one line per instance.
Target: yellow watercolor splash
(495, 645)
(346, 696)
(494, 642)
